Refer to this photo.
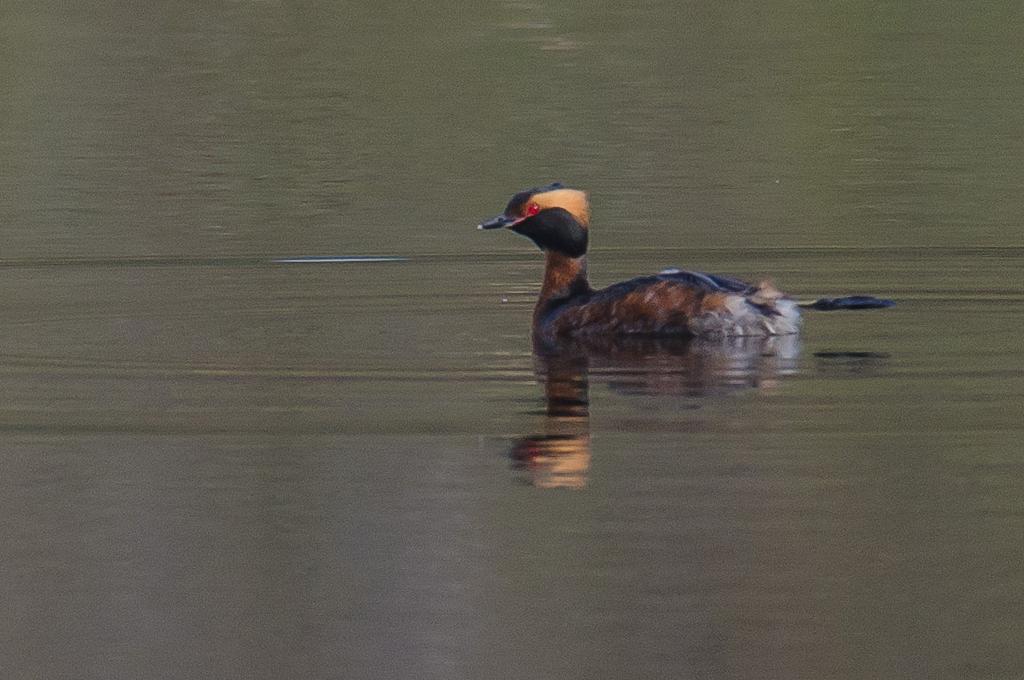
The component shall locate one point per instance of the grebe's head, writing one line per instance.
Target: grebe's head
(553, 216)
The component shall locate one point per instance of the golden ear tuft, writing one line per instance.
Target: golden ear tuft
(572, 200)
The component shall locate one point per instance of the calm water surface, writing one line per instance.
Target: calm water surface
(217, 465)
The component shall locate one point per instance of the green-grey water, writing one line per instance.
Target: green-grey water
(217, 464)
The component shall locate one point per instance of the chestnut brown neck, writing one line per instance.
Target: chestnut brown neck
(564, 277)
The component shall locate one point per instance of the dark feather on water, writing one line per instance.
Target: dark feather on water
(849, 302)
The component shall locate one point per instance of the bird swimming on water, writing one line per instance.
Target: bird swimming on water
(673, 302)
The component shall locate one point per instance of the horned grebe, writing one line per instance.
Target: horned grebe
(673, 302)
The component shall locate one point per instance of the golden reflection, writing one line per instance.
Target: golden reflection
(558, 455)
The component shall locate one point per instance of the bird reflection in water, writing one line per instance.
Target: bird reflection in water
(558, 456)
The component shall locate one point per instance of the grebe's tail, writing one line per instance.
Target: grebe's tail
(848, 302)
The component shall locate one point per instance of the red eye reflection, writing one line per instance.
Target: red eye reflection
(532, 209)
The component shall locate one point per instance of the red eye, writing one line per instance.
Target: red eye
(532, 209)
